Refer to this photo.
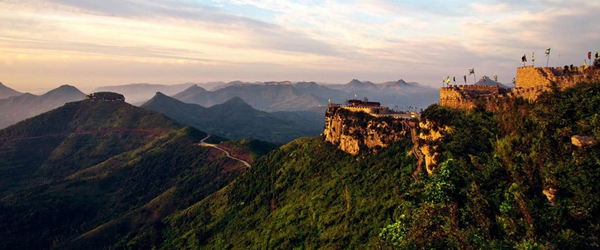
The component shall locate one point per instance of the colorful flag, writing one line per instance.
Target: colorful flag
(514, 80)
(548, 52)
(496, 78)
(471, 71)
(484, 78)
(584, 64)
(533, 56)
(524, 58)
(454, 79)
(447, 80)
(465, 77)
(590, 55)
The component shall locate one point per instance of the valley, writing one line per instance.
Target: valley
(103, 174)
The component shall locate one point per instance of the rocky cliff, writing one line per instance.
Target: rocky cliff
(429, 136)
(356, 131)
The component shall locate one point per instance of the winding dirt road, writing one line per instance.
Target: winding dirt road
(227, 153)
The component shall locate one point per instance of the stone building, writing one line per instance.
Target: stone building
(530, 83)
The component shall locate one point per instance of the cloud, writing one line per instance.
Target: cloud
(159, 20)
(336, 40)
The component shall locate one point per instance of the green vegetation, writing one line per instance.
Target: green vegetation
(508, 179)
(487, 191)
(252, 148)
(87, 174)
(304, 194)
(80, 134)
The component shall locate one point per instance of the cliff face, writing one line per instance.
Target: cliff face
(429, 135)
(356, 131)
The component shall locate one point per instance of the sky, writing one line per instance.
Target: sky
(91, 43)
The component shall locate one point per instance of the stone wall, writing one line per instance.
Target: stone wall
(530, 77)
(531, 82)
(466, 96)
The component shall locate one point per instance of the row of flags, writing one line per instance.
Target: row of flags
(589, 57)
(524, 57)
(471, 72)
(447, 80)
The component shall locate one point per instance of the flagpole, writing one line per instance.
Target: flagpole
(547, 60)
(474, 78)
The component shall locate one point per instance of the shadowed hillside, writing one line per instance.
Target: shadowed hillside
(523, 177)
(236, 119)
(91, 172)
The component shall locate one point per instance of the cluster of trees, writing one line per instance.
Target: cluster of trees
(509, 179)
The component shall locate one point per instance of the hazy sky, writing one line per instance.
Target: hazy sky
(90, 43)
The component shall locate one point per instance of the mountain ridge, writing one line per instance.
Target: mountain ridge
(17, 108)
(234, 119)
(6, 92)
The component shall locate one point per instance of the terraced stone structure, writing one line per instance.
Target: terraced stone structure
(530, 83)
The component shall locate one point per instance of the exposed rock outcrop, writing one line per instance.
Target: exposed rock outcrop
(354, 131)
(105, 97)
(429, 135)
(583, 141)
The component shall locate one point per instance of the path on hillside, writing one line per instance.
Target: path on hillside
(227, 153)
(416, 151)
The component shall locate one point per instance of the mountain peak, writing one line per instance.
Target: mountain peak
(356, 82)
(161, 99)
(65, 89)
(236, 101)
(195, 89)
(490, 82)
(6, 92)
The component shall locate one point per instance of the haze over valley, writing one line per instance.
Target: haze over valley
(259, 124)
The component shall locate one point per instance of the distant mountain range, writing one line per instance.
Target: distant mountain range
(491, 82)
(235, 119)
(6, 92)
(16, 108)
(138, 93)
(285, 96)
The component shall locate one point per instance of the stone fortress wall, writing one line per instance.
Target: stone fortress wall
(530, 83)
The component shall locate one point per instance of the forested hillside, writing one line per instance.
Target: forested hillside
(524, 176)
(91, 172)
(508, 179)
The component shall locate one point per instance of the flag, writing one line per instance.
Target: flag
(514, 80)
(447, 80)
(496, 78)
(548, 52)
(465, 77)
(596, 55)
(524, 58)
(471, 71)
(484, 78)
(590, 55)
(454, 79)
(533, 57)
(584, 65)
